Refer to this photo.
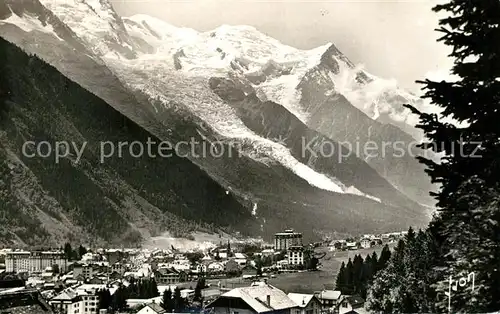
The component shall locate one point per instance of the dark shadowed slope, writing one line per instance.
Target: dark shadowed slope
(116, 201)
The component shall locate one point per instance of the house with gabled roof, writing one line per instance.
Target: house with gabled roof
(261, 298)
(307, 303)
(169, 275)
(152, 308)
(329, 298)
(64, 300)
(351, 304)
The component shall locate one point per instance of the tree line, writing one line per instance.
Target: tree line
(147, 288)
(73, 254)
(141, 289)
(356, 276)
(404, 284)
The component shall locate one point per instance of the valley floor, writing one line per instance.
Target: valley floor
(302, 282)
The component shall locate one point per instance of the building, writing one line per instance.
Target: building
(240, 258)
(286, 239)
(377, 241)
(86, 303)
(166, 276)
(34, 262)
(64, 300)
(352, 246)
(329, 298)
(114, 256)
(215, 267)
(340, 244)
(202, 268)
(366, 243)
(268, 253)
(351, 305)
(118, 267)
(295, 255)
(283, 264)
(152, 308)
(83, 271)
(232, 268)
(10, 280)
(24, 301)
(72, 301)
(307, 303)
(249, 271)
(252, 300)
(210, 294)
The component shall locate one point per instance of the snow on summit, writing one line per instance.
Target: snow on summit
(150, 55)
(159, 33)
(166, 83)
(96, 22)
(28, 24)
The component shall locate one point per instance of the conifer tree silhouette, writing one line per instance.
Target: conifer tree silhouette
(467, 229)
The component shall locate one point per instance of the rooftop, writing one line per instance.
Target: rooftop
(256, 297)
(24, 302)
(302, 300)
(157, 308)
(355, 301)
(288, 233)
(66, 295)
(329, 294)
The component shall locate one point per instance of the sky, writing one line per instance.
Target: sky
(392, 39)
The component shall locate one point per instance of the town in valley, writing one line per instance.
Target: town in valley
(233, 276)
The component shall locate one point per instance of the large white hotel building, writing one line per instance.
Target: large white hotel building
(284, 240)
(34, 262)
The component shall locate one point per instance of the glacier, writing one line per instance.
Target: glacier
(183, 58)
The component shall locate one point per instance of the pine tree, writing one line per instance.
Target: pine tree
(385, 256)
(357, 269)
(474, 248)
(179, 303)
(105, 298)
(55, 269)
(405, 284)
(340, 281)
(119, 301)
(425, 257)
(166, 301)
(468, 224)
(153, 289)
(81, 251)
(258, 265)
(200, 285)
(366, 276)
(374, 260)
(141, 290)
(386, 293)
(348, 287)
(68, 251)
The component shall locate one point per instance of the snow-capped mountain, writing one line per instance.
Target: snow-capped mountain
(98, 25)
(275, 68)
(238, 89)
(306, 83)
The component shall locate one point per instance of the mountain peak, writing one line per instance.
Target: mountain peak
(331, 57)
(97, 23)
